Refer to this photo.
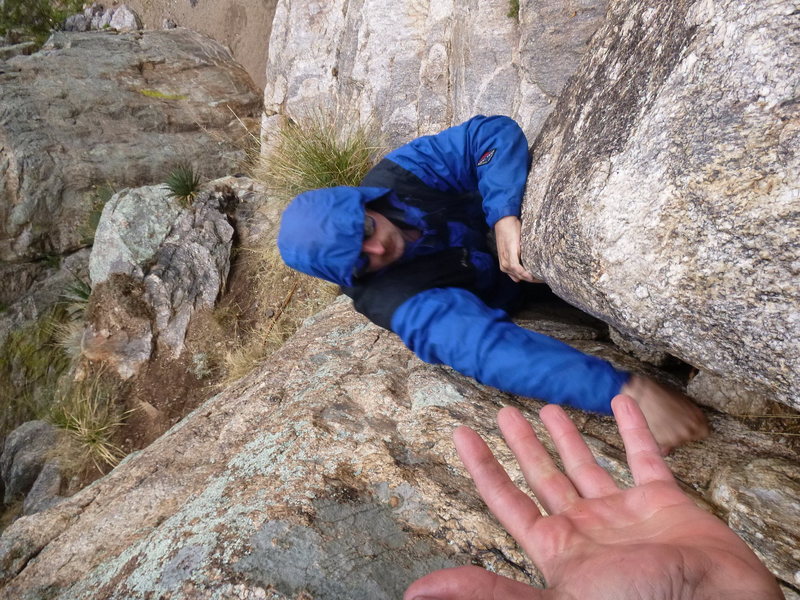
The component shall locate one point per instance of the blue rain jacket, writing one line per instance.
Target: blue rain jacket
(446, 297)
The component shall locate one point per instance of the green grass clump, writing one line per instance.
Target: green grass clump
(88, 412)
(35, 18)
(317, 152)
(31, 363)
(35, 357)
(75, 298)
(183, 183)
(513, 9)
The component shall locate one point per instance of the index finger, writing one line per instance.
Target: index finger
(511, 506)
(641, 448)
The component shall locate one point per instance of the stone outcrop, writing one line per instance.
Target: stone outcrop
(417, 67)
(45, 491)
(330, 472)
(94, 109)
(727, 395)
(664, 195)
(134, 224)
(97, 17)
(155, 263)
(39, 288)
(190, 269)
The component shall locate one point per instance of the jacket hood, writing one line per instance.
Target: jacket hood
(322, 231)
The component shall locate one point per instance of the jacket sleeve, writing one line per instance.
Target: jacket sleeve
(454, 327)
(485, 154)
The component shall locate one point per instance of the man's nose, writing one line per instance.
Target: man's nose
(372, 246)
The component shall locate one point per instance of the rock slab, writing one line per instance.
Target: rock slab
(329, 472)
(664, 195)
(25, 453)
(154, 263)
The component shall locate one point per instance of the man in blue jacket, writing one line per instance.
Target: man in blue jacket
(410, 247)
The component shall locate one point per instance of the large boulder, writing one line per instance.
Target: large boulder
(134, 224)
(98, 109)
(328, 473)
(416, 68)
(664, 193)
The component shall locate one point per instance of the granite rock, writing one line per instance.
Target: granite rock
(728, 396)
(757, 495)
(44, 492)
(417, 67)
(122, 109)
(189, 270)
(328, 471)
(664, 196)
(25, 452)
(133, 226)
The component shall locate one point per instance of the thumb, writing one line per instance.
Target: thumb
(469, 583)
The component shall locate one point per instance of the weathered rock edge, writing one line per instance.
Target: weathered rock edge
(329, 470)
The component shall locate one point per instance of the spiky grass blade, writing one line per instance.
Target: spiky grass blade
(88, 412)
(183, 183)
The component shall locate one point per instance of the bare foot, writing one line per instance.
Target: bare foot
(672, 416)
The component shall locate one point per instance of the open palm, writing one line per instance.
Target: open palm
(649, 542)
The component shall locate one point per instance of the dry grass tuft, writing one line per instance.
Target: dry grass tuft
(317, 151)
(87, 410)
(285, 298)
(313, 152)
(778, 420)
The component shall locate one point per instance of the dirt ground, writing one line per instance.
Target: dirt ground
(241, 25)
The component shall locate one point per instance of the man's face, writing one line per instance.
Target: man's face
(385, 245)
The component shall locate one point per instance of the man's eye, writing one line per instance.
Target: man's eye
(369, 226)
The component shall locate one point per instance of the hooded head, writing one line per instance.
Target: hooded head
(322, 232)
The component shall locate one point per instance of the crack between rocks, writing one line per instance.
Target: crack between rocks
(496, 552)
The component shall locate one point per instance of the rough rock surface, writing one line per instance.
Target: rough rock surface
(24, 454)
(728, 396)
(94, 109)
(190, 269)
(118, 18)
(154, 263)
(640, 349)
(43, 286)
(44, 492)
(417, 67)
(756, 495)
(664, 194)
(329, 472)
(134, 224)
(13, 50)
(119, 325)
(240, 25)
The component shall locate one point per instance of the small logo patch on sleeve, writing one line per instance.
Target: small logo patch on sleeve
(486, 157)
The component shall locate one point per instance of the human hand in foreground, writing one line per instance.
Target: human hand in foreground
(507, 236)
(600, 542)
(671, 416)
